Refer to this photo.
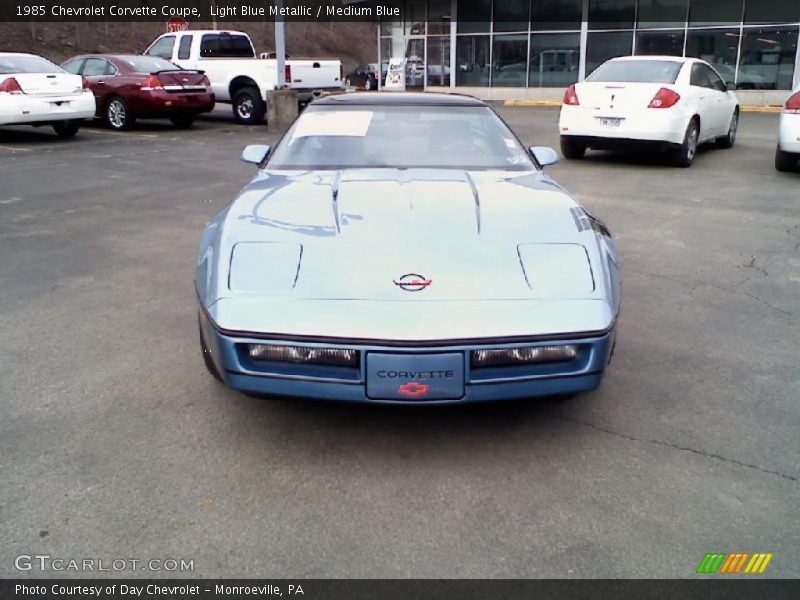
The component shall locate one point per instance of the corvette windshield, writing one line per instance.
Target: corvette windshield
(347, 137)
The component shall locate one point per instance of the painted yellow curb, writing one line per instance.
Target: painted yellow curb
(532, 103)
(550, 103)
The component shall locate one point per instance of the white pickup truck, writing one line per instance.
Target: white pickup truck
(238, 76)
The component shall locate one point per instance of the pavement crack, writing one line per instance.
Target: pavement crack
(678, 447)
(752, 265)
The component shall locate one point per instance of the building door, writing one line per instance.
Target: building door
(415, 63)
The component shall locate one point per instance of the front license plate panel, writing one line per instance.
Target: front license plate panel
(611, 123)
(415, 377)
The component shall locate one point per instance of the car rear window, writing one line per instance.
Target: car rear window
(226, 46)
(27, 64)
(637, 71)
(150, 64)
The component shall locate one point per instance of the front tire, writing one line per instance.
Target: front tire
(248, 107)
(572, 150)
(118, 116)
(785, 161)
(183, 121)
(684, 156)
(67, 129)
(730, 138)
(369, 84)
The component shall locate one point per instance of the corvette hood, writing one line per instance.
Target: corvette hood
(363, 234)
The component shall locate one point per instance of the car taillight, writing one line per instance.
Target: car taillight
(793, 104)
(287, 73)
(152, 83)
(571, 96)
(10, 86)
(664, 98)
(204, 80)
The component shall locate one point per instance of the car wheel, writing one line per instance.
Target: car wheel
(118, 116)
(369, 84)
(347, 82)
(684, 156)
(183, 121)
(730, 139)
(212, 368)
(571, 149)
(248, 107)
(785, 161)
(67, 129)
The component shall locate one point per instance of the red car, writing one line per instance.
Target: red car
(128, 86)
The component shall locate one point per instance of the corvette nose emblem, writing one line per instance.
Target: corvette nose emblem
(412, 282)
(413, 389)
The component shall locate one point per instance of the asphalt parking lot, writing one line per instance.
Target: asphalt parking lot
(116, 443)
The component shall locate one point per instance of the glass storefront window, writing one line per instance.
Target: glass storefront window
(771, 11)
(510, 59)
(715, 12)
(414, 13)
(512, 15)
(718, 47)
(555, 59)
(439, 60)
(556, 14)
(664, 43)
(472, 60)
(662, 13)
(611, 14)
(438, 17)
(474, 16)
(768, 57)
(607, 44)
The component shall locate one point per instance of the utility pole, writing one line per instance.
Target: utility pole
(280, 45)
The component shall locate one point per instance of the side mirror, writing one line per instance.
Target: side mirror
(255, 154)
(543, 155)
(730, 85)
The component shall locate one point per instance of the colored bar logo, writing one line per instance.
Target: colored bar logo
(735, 563)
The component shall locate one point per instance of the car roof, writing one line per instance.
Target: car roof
(10, 54)
(670, 58)
(202, 31)
(397, 98)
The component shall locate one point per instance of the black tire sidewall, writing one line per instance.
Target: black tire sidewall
(257, 114)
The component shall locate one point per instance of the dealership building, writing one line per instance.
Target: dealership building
(534, 49)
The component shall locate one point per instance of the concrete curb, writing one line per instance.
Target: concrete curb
(553, 103)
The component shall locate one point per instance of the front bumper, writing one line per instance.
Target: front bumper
(25, 109)
(665, 126)
(583, 373)
(789, 136)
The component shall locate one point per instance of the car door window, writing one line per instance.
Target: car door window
(715, 80)
(185, 47)
(96, 67)
(162, 47)
(699, 76)
(73, 66)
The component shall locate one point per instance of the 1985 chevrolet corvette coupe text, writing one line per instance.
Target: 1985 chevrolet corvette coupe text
(405, 248)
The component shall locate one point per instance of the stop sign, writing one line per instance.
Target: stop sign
(177, 24)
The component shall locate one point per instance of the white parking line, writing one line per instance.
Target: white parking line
(15, 149)
(126, 134)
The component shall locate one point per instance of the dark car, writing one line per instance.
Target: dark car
(127, 87)
(366, 76)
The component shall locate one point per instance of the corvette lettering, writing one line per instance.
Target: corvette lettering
(415, 374)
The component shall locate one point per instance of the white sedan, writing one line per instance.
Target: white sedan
(666, 101)
(34, 91)
(788, 153)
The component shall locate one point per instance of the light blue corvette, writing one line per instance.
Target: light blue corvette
(405, 248)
